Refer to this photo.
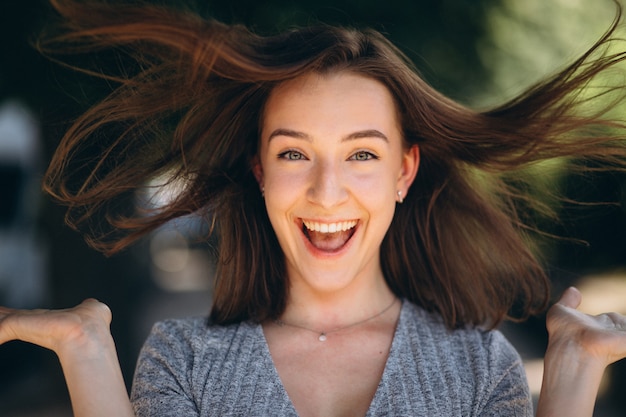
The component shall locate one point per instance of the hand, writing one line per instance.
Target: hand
(580, 348)
(601, 338)
(58, 330)
(81, 338)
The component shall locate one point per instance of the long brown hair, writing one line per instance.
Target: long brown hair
(189, 107)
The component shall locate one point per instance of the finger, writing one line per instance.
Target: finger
(97, 307)
(5, 331)
(48, 328)
(571, 298)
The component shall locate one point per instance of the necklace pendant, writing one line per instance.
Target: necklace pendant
(322, 337)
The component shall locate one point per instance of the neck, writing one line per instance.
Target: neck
(337, 309)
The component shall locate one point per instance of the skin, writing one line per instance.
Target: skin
(314, 135)
(580, 348)
(329, 175)
(81, 338)
(332, 153)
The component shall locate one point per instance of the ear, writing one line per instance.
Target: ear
(410, 165)
(257, 171)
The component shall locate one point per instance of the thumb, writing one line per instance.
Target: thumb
(571, 298)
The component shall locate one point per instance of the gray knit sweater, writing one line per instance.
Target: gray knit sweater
(188, 368)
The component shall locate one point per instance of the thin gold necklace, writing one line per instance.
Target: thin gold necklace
(322, 336)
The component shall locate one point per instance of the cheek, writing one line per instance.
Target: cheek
(282, 185)
(376, 196)
(378, 190)
(281, 194)
(376, 186)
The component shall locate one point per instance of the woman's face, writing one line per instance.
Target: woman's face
(331, 164)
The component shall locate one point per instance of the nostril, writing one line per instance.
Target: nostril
(327, 190)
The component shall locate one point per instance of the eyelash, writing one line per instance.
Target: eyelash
(299, 156)
(286, 155)
(368, 156)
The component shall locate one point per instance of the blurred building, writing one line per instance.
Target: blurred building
(22, 258)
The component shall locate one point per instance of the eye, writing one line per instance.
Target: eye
(292, 155)
(363, 156)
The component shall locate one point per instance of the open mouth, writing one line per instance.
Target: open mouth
(329, 237)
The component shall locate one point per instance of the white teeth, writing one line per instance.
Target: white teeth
(329, 227)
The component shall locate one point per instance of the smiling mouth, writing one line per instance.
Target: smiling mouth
(329, 237)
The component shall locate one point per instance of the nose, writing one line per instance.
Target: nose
(327, 186)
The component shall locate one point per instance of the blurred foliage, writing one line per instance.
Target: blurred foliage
(526, 41)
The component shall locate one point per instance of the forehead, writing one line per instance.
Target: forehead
(339, 101)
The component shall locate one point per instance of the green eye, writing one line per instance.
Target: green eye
(292, 156)
(363, 156)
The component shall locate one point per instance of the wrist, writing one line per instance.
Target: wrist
(571, 380)
(568, 356)
(85, 341)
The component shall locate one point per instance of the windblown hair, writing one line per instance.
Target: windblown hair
(190, 105)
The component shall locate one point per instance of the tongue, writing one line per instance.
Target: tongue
(328, 241)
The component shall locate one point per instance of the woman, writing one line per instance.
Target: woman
(364, 253)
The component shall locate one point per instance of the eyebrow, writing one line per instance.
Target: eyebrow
(289, 133)
(369, 133)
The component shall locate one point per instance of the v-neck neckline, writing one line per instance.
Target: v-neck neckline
(391, 357)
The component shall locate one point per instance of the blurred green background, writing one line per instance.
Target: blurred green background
(479, 52)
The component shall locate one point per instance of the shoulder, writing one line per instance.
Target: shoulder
(466, 371)
(221, 370)
(428, 327)
(182, 357)
(194, 335)
(180, 347)
(190, 328)
(470, 356)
